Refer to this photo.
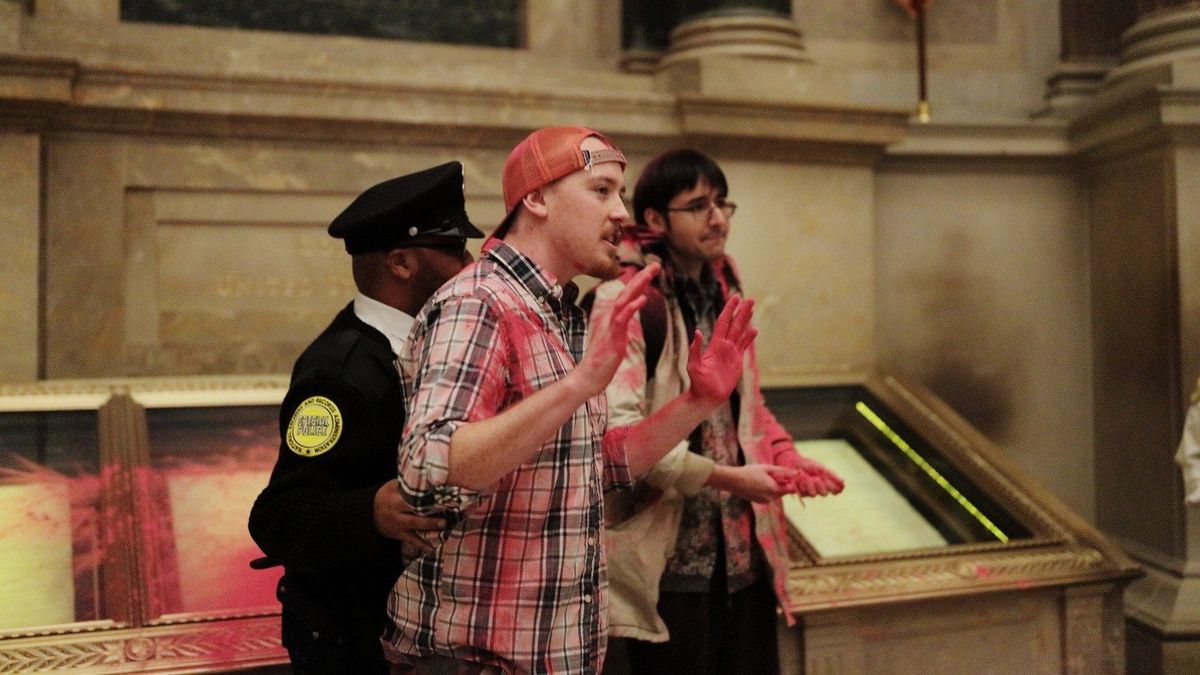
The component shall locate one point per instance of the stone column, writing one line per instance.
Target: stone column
(1165, 31)
(656, 33)
(1091, 43)
(1140, 139)
(646, 32)
(749, 28)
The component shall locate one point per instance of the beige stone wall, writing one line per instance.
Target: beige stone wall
(201, 165)
(803, 239)
(205, 256)
(208, 257)
(983, 296)
(988, 59)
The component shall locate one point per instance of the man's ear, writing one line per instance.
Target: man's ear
(655, 220)
(535, 202)
(402, 263)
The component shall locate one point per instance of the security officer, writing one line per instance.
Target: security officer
(331, 513)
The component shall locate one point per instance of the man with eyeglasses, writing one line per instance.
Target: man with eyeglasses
(332, 513)
(698, 551)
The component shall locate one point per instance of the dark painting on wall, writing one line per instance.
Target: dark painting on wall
(493, 23)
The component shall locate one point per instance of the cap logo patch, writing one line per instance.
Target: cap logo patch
(315, 427)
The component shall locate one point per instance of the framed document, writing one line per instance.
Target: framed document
(930, 508)
(123, 509)
(51, 529)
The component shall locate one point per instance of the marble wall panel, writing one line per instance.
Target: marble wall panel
(802, 237)
(20, 213)
(84, 258)
(986, 60)
(183, 258)
(210, 257)
(234, 288)
(103, 11)
(11, 21)
(951, 21)
(983, 297)
(594, 29)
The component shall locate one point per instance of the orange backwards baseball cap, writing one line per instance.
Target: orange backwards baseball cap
(545, 156)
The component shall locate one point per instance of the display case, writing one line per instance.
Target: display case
(123, 508)
(939, 549)
(123, 541)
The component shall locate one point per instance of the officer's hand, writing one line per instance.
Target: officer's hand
(395, 520)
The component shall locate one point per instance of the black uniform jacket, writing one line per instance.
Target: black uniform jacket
(316, 514)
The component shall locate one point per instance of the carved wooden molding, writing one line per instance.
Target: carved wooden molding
(240, 643)
(912, 579)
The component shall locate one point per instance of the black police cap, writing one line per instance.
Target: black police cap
(392, 213)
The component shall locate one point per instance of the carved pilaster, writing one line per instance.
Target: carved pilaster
(1140, 138)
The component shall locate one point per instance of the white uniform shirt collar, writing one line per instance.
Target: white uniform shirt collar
(394, 324)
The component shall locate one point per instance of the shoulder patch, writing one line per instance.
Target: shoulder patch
(315, 427)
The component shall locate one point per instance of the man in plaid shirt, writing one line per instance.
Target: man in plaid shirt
(507, 432)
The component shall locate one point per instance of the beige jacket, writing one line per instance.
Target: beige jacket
(644, 524)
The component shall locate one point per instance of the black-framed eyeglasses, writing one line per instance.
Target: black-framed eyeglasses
(702, 209)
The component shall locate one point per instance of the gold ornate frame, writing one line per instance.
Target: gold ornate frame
(1062, 549)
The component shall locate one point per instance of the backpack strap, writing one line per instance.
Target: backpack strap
(653, 316)
(654, 327)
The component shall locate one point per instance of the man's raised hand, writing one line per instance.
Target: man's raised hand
(715, 370)
(610, 332)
